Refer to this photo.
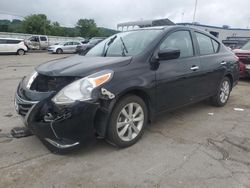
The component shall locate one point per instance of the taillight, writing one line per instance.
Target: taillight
(242, 66)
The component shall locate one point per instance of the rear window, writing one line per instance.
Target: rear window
(13, 41)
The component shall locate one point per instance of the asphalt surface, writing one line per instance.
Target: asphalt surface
(196, 146)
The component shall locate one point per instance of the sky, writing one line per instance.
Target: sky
(108, 13)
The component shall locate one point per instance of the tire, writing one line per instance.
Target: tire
(131, 115)
(20, 52)
(223, 93)
(59, 51)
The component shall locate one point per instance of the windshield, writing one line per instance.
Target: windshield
(124, 44)
(246, 46)
(60, 43)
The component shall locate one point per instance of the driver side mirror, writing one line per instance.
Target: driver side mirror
(168, 54)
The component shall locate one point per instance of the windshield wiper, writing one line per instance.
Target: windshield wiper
(108, 43)
(124, 47)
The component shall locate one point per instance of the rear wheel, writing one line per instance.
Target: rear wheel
(59, 51)
(20, 52)
(127, 121)
(223, 93)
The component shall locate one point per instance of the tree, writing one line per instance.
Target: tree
(39, 24)
(36, 24)
(56, 29)
(87, 28)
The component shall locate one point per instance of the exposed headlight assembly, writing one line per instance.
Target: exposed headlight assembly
(28, 80)
(81, 90)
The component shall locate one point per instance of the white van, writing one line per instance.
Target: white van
(9, 45)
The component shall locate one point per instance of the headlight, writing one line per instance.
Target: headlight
(81, 90)
(29, 79)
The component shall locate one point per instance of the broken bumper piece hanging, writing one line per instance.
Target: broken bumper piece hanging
(58, 127)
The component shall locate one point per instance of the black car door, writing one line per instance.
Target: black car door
(178, 79)
(212, 63)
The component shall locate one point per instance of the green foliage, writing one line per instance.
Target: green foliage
(105, 32)
(10, 26)
(87, 28)
(39, 24)
(36, 24)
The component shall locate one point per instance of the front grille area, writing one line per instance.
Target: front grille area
(23, 106)
(244, 58)
(245, 61)
(44, 83)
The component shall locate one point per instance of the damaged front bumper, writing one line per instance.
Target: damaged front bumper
(60, 127)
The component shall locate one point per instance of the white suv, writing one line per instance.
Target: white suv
(16, 46)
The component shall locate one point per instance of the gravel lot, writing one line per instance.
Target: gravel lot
(197, 146)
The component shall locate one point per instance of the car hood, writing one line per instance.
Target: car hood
(81, 65)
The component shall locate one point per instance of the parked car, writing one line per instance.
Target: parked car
(37, 42)
(9, 45)
(84, 48)
(85, 41)
(123, 83)
(244, 58)
(64, 47)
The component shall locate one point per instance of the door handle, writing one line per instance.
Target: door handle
(223, 63)
(194, 68)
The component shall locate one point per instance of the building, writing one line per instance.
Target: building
(232, 37)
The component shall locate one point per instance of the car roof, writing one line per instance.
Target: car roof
(166, 28)
(158, 28)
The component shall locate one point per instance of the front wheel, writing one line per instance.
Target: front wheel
(223, 93)
(59, 51)
(127, 122)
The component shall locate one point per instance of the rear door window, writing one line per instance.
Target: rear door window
(13, 41)
(205, 44)
(216, 46)
(43, 38)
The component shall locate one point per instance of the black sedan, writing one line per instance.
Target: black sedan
(85, 47)
(122, 84)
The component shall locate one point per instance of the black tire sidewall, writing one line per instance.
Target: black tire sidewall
(112, 134)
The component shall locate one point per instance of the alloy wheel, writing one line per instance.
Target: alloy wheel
(224, 91)
(130, 122)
